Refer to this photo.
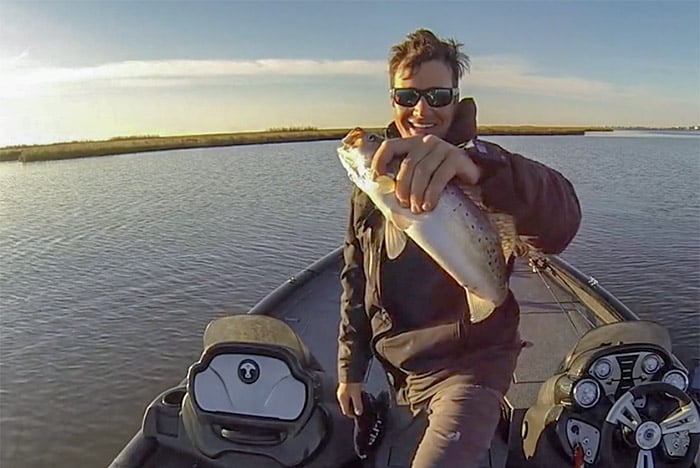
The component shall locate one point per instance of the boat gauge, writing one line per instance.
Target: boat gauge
(676, 378)
(602, 368)
(586, 393)
(651, 363)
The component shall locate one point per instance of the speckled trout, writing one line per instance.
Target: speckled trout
(468, 242)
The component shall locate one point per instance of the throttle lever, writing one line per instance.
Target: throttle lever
(578, 457)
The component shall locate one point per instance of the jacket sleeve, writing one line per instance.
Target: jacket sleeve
(542, 200)
(354, 332)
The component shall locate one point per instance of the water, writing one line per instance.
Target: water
(110, 268)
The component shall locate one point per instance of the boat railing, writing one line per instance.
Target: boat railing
(606, 307)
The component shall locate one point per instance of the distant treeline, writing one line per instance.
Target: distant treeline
(141, 143)
(292, 129)
(131, 137)
(535, 130)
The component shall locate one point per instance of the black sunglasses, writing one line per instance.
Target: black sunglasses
(436, 97)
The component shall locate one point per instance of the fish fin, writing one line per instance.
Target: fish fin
(394, 239)
(400, 221)
(386, 184)
(479, 309)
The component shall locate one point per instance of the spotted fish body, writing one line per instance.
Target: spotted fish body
(458, 234)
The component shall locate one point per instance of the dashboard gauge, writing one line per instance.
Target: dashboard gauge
(676, 378)
(651, 363)
(586, 393)
(602, 368)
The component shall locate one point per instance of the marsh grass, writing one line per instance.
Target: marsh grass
(136, 144)
(10, 154)
(142, 143)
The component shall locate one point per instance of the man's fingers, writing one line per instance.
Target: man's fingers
(357, 403)
(343, 397)
(441, 177)
(349, 398)
(345, 405)
(389, 149)
(424, 172)
(423, 176)
(406, 174)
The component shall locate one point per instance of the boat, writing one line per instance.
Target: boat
(594, 386)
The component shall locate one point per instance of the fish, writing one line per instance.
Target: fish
(469, 242)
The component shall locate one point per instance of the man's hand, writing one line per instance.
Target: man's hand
(429, 165)
(349, 397)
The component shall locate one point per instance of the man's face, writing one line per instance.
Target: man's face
(422, 119)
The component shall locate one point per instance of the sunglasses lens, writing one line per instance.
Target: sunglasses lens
(436, 97)
(439, 97)
(406, 97)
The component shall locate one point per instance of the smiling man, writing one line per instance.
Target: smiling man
(410, 314)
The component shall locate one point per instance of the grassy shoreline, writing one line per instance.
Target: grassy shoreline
(138, 144)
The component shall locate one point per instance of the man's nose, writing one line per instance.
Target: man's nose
(421, 107)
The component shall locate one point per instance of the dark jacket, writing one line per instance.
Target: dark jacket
(411, 314)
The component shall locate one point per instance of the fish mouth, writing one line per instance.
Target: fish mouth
(357, 150)
(347, 152)
(351, 145)
(347, 157)
(354, 137)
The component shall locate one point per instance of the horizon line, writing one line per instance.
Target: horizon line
(310, 128)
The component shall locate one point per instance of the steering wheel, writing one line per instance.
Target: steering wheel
(653, 425)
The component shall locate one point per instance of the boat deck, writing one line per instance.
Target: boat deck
(558, 305)
(551, 321)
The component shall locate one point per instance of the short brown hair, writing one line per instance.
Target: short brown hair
(423, 46)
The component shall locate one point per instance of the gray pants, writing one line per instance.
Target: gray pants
(463, 394)
(462, 419)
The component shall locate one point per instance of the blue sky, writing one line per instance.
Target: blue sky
(90, 70)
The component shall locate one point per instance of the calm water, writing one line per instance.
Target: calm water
(110, 268)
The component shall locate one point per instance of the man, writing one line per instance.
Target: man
(409, 313)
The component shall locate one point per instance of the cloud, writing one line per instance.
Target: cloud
(21, 76)
(516, 75)
(18, 77)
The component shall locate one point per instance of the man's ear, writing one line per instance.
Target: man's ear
(463, 126)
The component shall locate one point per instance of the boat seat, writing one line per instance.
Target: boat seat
(258, 392)
(259, 330)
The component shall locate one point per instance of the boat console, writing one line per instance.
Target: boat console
(619, 400)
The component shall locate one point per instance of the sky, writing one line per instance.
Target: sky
(100, 69)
